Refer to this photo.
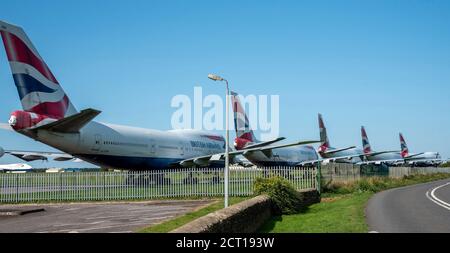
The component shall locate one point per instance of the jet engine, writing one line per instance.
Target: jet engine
(2, 152)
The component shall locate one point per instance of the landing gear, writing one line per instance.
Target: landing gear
(216, 178)
(144, 179)
(190, 179)
(161, 179)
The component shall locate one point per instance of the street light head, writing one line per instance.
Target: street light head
(215, 77)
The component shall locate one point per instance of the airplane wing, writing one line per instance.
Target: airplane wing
(381, 152)
(331, 159)
(205, 160)
(348, 157)
(338, 150)
(37, 155)
(265, 143)
(414, 156)
(381, 161)
(309, 163)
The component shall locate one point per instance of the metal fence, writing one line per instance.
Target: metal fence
(344, 172)
(155, 184)
(397, 172)
(340, 172)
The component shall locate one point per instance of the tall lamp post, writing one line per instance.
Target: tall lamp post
(227, 161)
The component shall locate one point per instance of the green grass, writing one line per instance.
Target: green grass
(342, 214)
(181, 220)
(342, 207)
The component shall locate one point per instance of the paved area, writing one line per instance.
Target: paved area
(95, 217)
(423, 208)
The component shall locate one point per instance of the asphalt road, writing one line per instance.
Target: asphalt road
(95, 217)
(423, 208)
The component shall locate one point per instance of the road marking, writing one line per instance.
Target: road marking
(430, 195)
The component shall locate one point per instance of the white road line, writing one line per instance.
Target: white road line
(430, 195)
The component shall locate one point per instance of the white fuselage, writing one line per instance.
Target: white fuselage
(123, 147)
(288, 156)
(387, 158)
(15, 167)
(345, 156)
(427, 158)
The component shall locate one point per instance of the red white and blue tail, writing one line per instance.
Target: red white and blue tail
(39, 91)
(365, 141)
(403, 146)
(244, 135)
(324, 142)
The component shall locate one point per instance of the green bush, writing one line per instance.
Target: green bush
(376, 184)
(285, 198)
(445, 165)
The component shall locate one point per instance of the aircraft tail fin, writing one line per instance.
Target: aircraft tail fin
(365, 141)
(324, 141)
(244, 134)
(404, 148)
(38, 89)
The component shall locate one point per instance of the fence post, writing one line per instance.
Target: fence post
(104, 185)
(319, 177)
(17, 187)
(60, 186)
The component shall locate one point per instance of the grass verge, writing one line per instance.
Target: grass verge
(181, 220)
(342, 206)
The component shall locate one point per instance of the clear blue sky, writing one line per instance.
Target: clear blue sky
(382, 64)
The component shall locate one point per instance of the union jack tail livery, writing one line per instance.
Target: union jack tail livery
(244, 135)
(324, 142)
(42, 97)
(403, 146)
(365, 141)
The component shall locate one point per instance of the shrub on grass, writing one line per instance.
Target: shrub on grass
(445, 165)
(376, 184)
(285, 198)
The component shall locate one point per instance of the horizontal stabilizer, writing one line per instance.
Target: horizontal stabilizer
(6, 127)
(265, 143)
(73, 123)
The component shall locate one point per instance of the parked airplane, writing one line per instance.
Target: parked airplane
(38, 155)
(245, 140)
(19, 167)
(330, 154)
(49, 116)
(382, 157)
(419, 159)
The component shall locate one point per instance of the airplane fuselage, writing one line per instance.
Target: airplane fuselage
(288, 156)
(351, 153)
(387, 158)
(124, 147)
(426, 159)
